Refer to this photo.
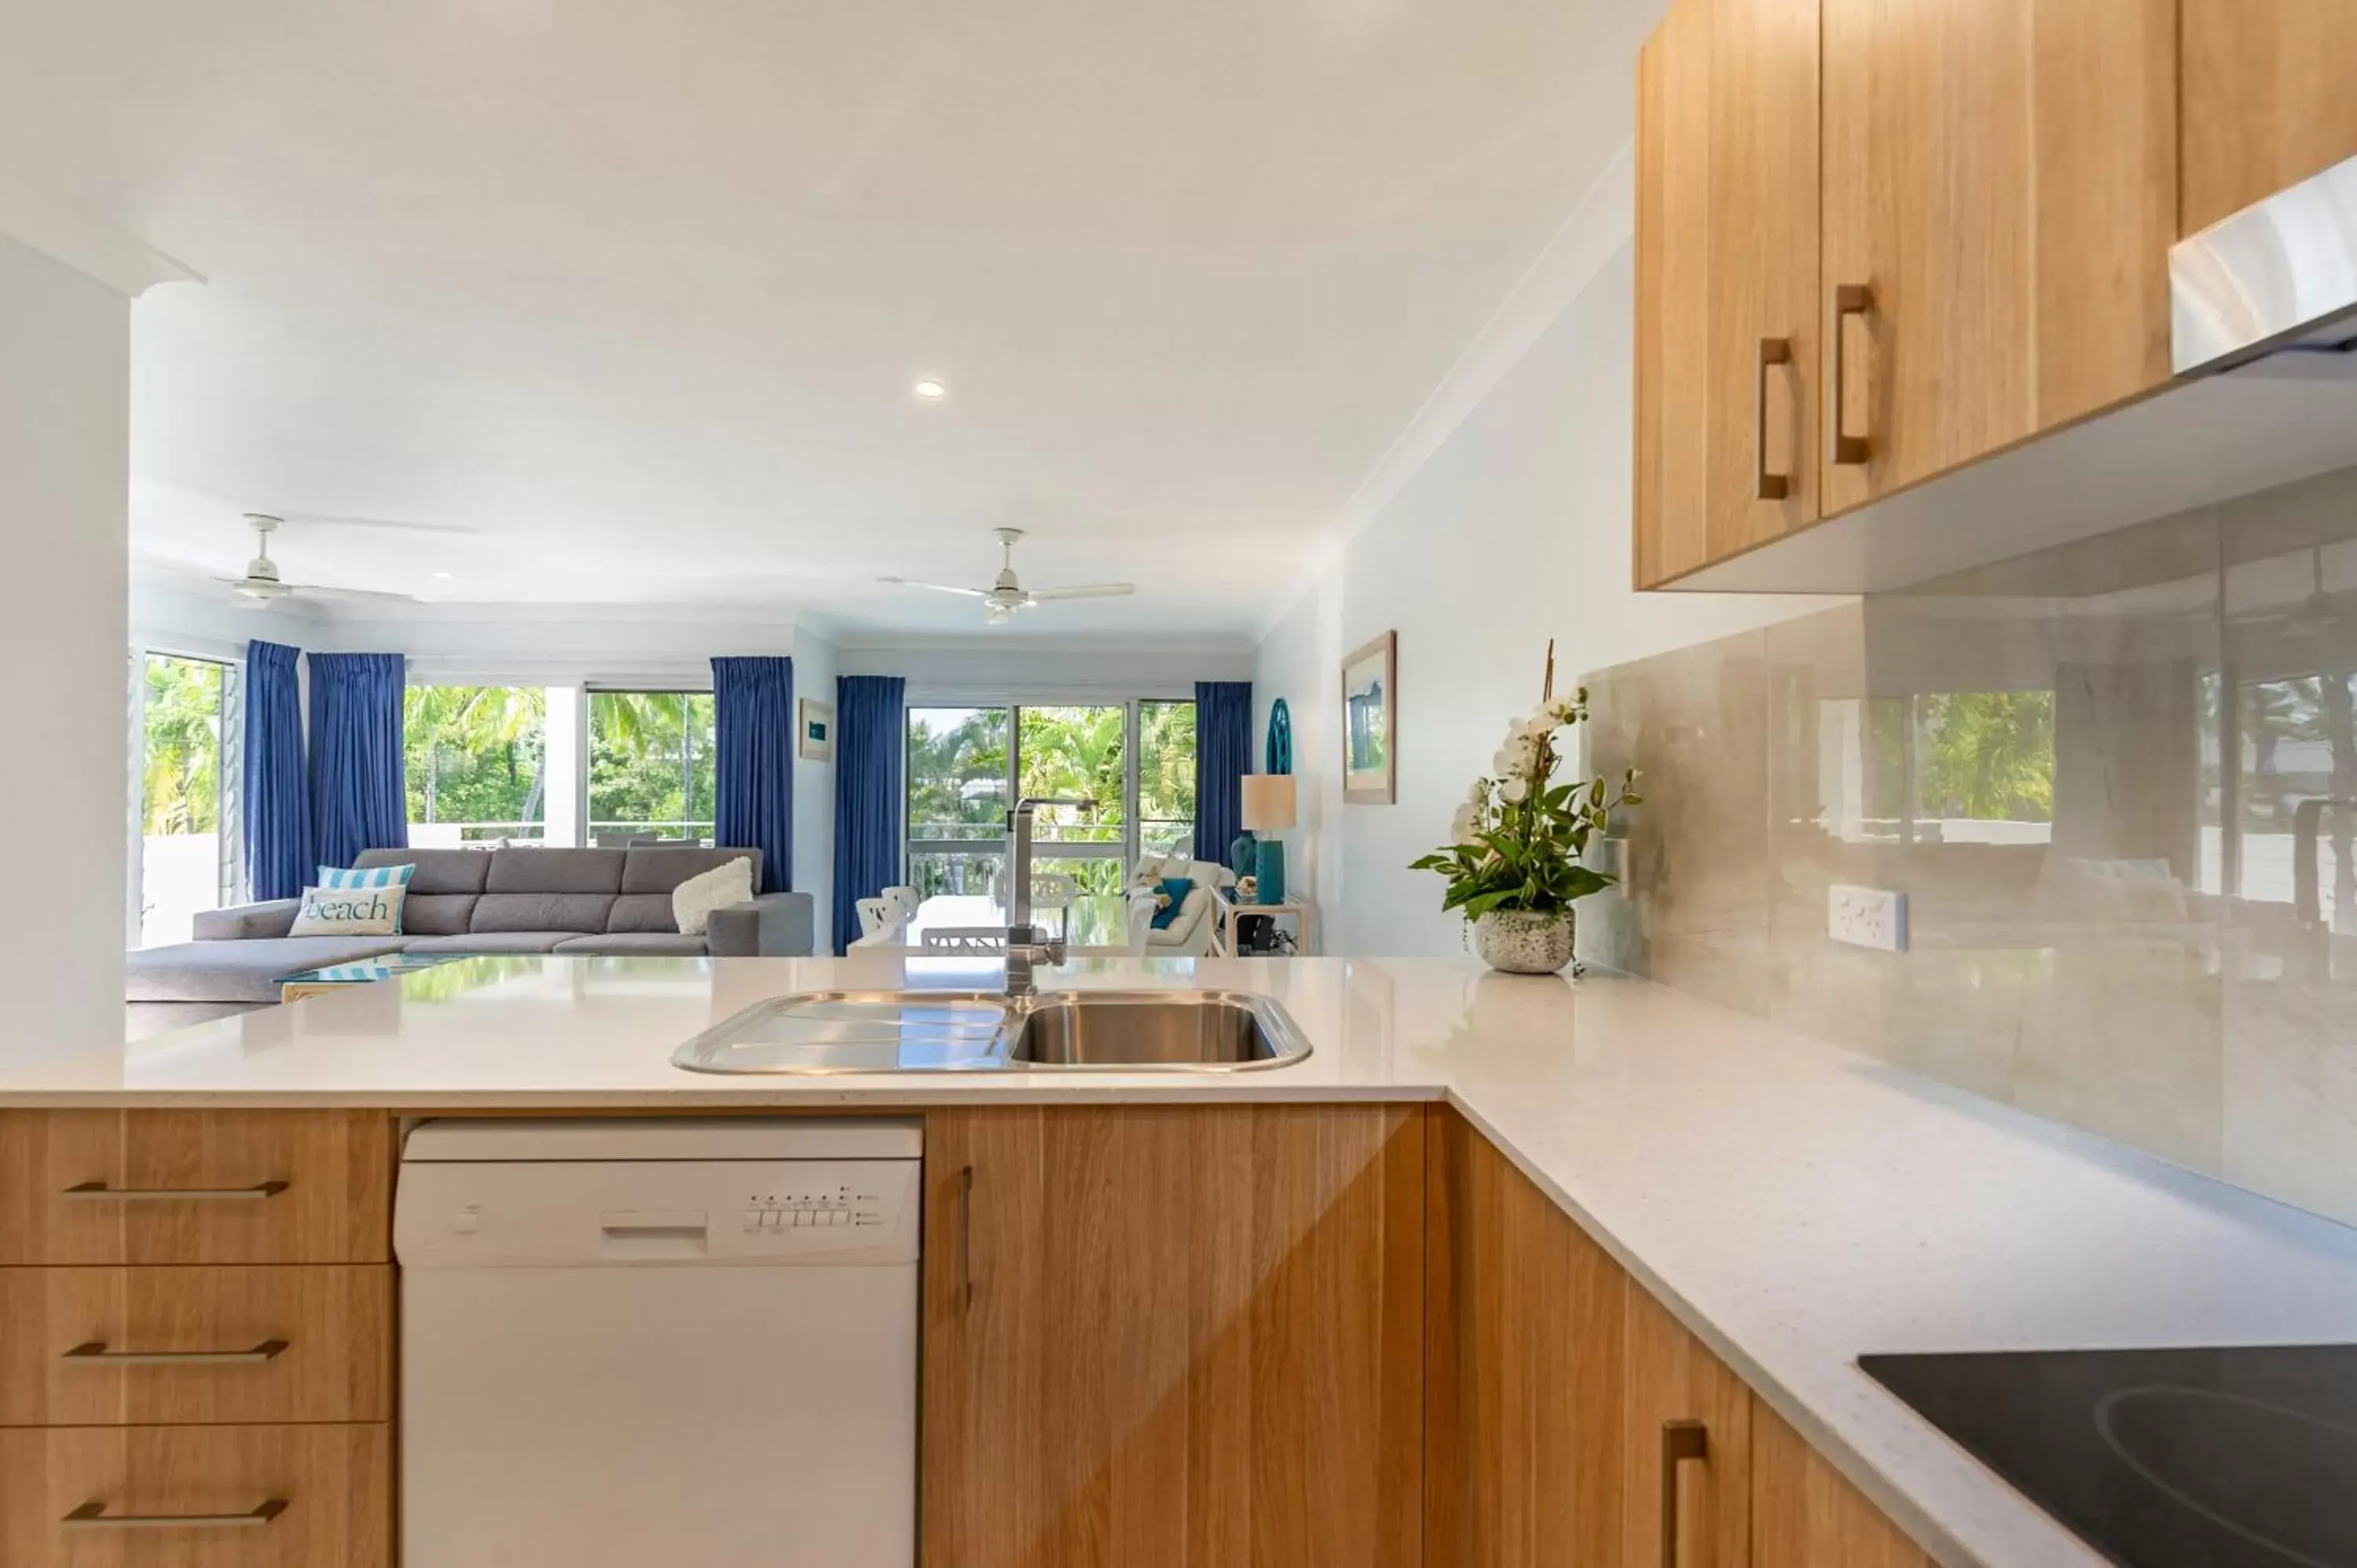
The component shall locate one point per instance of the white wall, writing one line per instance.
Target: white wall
(65, 402)
(815, 670)
(1514, 529)
(987, 669)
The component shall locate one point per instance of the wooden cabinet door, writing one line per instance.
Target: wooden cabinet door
(1727, 268)
(1524, 1386)
(1686, 1448)
(1804, 1515)
(1186, 1335)
(1999, 195)
(2267, 99)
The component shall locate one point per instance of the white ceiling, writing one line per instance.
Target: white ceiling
(630, 295)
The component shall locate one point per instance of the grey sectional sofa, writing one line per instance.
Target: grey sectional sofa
(589, 902)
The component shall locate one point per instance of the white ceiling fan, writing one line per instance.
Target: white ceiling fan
(262, 584)
(1002, 599)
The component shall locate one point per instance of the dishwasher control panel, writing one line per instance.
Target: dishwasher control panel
(570, 1212)
(854, 1205)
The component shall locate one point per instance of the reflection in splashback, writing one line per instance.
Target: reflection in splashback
(2117, 782)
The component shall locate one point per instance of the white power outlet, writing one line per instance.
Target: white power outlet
(1867, 917)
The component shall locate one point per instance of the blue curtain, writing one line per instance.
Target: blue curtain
(870, 745)
(277, 811)
(358, 801)
(1222, 757)
(753, 762)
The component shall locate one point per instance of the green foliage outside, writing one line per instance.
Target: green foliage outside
(957, 762)
(180, 766)
(475, 754)
(1988, 756)
(651, 760)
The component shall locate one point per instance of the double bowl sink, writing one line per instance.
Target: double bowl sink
(966, 1031)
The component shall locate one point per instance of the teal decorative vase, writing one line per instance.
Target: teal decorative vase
(1270, 869)
(1240, 853)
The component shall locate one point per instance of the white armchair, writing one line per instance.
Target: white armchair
(884, 919)
(1189, 933)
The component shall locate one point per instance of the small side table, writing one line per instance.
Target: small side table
(1226, 908)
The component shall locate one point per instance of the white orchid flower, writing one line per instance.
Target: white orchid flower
(1460, 826)
(1513, 791)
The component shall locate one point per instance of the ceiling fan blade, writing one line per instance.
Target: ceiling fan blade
(313, 591)
(398, 525)
(936, 587)
(1086, 591)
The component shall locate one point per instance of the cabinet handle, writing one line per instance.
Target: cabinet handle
(1765, 486)
(94, 1516)
(1681, 1441)
(1849, 299)
(90, 1189)
(95, 1354)
(965, 1238)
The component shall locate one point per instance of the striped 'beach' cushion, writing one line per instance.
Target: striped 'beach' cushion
(333, 878)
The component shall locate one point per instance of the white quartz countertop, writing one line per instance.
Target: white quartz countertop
(1795, 1205)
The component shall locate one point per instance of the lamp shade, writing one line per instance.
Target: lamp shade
(1268, 801)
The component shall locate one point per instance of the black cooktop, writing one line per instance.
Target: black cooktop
(2224, 1458)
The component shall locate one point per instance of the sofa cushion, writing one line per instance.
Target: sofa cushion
(642, 914)
(437, 914)
(239, 971)
(493, 942)
(552, 911)
(439, 871)
(556, 870)
(632, 944)
(350, 912)
(659, 868)
(694, 900)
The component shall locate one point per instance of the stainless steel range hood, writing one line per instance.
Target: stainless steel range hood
(2264, 344)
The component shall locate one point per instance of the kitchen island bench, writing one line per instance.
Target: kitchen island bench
(1508, 1271)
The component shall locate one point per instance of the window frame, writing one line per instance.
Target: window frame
(585, 829)
(1125, 852)
(229, 804)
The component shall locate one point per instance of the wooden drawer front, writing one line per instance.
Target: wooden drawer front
(155, 1345)
(334, 1482)
(198, 1186)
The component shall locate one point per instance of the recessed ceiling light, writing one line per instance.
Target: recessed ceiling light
(445, 576)
(930, 390)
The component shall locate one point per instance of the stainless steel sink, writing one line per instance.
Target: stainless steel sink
(820, 1032)
(1187, 1031)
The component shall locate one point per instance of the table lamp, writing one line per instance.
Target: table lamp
(1268, 809)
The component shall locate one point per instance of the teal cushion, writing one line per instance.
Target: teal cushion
(335, 878)
(1176, 888)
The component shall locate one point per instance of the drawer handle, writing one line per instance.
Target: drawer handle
(94, 1353)
(94, 1516)
(1682, 1441)
(966, 1238)
(1765, 486)
(90, 1189)
(1849, 299)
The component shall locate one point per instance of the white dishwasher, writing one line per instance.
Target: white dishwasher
(659, 1343)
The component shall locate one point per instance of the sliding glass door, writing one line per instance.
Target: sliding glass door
(1131, 762)
(185, 802)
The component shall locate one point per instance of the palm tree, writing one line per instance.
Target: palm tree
(180, 770)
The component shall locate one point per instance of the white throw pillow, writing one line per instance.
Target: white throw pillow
(692, 901)
(350, 912)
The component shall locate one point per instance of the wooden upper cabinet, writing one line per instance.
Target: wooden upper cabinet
(1999, 194)
(1727, 347)
(1685, 1449)
(2268, 99)
(1174, 1337)
(1804, 1515)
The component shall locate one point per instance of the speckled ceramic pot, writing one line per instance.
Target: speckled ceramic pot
(1523, 941)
